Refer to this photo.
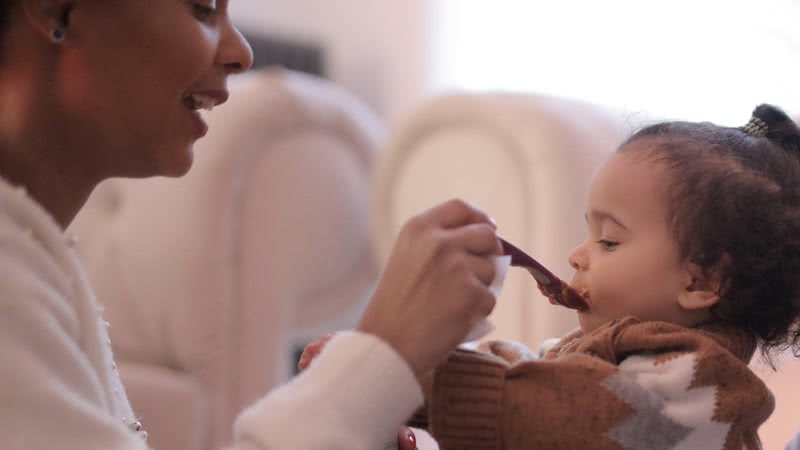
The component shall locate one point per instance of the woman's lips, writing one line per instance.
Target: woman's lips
(200, 126)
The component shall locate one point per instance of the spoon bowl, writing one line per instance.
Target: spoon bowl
(555, 289)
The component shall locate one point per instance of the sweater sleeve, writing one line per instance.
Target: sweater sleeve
(580, 400)
(50, 395)
(794, 444)
(353, 396)
(480, 401)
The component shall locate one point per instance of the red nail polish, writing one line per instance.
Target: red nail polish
(412, 438)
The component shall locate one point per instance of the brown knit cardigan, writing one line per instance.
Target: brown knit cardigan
(627, 385)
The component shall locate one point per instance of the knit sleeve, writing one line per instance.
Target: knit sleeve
(482, 402)
(50, 395)
(794, 444)
(354, 395)
(580, 400)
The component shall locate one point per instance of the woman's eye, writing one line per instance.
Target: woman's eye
(607, 244)
(203, 12)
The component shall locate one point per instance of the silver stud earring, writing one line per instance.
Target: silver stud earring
(57, 35)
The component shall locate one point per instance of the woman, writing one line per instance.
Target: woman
(92, 89)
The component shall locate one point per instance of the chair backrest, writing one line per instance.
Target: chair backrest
(526, 160)
(212, 281)
(784, 421)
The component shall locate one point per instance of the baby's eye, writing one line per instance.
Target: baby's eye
(607, 244)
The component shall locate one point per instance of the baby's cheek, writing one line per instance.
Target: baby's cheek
(608, 303)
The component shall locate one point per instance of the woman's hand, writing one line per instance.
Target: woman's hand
(311, 351)
(435, 284)
(405, 437)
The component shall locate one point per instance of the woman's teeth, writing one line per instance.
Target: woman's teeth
(200, 101)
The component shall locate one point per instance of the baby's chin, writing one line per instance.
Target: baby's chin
(590, 322)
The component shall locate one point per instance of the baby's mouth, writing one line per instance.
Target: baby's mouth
(561, 293)
(585, 294)
(575, 298)
(551, 286)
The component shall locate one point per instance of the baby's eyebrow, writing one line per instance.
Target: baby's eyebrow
(603, 215)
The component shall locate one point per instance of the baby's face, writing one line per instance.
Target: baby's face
(629, 263)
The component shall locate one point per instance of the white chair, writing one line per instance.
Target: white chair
(785, 420)
(213, 281)
(526, 160)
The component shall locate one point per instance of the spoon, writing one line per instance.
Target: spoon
(556, 290)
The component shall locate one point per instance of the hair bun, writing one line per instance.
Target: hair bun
(781, 128)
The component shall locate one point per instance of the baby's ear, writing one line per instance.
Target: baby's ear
(702, 289)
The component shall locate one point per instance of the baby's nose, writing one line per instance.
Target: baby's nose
(577, 258)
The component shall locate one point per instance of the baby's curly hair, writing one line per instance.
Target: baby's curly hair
(734, 207)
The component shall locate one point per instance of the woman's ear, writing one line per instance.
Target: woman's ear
(50, 18)
(701, 291)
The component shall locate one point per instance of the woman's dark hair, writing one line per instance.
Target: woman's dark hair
(5, 12)
(734, 208)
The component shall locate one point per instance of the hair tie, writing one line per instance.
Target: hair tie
(756, 127)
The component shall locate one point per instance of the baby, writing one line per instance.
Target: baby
(692, 260)
(691, 263)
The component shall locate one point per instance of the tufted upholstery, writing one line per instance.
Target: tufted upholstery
(526, 160)
(211, 281)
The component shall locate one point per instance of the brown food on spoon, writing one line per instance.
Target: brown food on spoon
(578, 299)
(565, 295)
(552, 287)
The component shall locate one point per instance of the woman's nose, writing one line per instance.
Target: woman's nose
(235, 53)
(577, 258)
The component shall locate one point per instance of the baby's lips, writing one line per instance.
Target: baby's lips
(554, 289)
(575, 298)
(562, 294)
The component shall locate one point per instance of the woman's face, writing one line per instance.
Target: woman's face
(131, 75)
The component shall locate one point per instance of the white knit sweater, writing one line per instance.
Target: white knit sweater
(59, 388)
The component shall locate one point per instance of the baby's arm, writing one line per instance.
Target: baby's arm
(630, 388)
(480, 399)
(509, 352)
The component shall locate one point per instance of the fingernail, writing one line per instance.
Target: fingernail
(494, 222)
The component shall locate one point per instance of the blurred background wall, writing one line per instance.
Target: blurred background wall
(711, 60)
(377, 49)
